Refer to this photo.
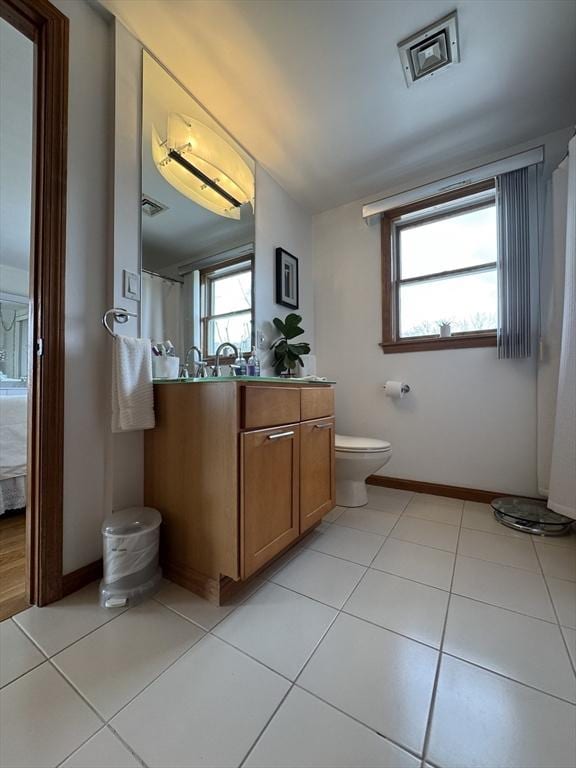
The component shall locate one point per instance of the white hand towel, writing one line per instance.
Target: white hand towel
(132, 391)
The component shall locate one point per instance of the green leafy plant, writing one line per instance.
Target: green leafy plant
(287, 355)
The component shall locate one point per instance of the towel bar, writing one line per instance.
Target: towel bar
(119, 315)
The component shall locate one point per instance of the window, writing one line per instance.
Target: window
(227, 306)
(439, 265)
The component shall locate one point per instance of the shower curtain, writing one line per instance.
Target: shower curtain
(557, 369)
(161, 310)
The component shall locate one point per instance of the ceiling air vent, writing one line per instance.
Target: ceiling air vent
(152, 207)
(430, 50)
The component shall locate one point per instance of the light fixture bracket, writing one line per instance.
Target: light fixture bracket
(174, 155)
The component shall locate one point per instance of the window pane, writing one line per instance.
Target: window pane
(468, 302)
(463, 240)
(231, 293)
(237, 329)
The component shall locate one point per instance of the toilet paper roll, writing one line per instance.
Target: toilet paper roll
(394, 389)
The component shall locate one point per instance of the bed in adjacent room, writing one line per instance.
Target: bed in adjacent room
(13, 459)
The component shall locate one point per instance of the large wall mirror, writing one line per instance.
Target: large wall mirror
(198, 232)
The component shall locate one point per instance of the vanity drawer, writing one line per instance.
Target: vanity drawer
(269, 406)
(316, 403)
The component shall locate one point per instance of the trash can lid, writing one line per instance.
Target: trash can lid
(131, 521)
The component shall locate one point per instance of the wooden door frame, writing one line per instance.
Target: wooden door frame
(47, 27)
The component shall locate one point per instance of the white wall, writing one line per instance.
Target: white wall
(14, 280)
(280, 222)
(470, 419)
(87, 382)
(126, 457)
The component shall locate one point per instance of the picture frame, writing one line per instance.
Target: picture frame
(287, 280)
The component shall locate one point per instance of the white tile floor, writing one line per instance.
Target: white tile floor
(414, 632)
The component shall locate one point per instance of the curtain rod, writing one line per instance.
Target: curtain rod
(157, 274)
(371, 211)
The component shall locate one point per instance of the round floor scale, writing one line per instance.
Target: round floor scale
(530, 516)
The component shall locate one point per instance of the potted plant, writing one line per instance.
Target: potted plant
(287, 355)
(445, 328)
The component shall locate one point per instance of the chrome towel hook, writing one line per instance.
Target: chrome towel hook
(116, 314)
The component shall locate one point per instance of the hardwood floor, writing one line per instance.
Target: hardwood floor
(12, 565)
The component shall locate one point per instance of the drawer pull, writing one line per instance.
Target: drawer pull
(322, 426)
(278, 435)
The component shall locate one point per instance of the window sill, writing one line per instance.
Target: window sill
(423, 344)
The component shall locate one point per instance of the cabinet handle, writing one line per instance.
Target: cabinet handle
(278, 435)
(322, 426)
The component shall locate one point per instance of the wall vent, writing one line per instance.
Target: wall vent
(152, 207)
(431, 50)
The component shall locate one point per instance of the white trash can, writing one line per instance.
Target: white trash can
(131, 540)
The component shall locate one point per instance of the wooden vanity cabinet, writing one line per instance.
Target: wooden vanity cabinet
(239, 472)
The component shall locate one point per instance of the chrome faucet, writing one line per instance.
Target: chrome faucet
(185, 370)
(217, 370)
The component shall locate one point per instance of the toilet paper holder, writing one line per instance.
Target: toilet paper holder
(405, 388)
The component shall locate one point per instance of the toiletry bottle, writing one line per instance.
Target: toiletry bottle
(253, 364)
(241, 363)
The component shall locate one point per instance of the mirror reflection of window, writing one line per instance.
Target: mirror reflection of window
(13, 342)
(227, 307)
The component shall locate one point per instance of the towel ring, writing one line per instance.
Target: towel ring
(117, 314)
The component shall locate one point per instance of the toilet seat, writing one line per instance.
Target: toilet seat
(350, 444)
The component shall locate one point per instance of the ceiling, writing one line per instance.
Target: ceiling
(314, 89)
(16, 98)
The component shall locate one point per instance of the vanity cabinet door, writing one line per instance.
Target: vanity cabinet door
(269, 494)
(317, 459)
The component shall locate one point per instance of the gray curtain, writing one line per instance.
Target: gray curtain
(518, 237)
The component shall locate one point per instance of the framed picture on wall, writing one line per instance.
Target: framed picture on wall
(287, 292)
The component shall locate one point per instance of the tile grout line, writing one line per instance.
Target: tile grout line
(76, 749)
(450, 593)
(78, 639)
(343, 611)
(549, 593)
(428, 729)
(105, 727)
(410, 750)
(507, 677)
(244, 599)
(128, 746)
(321, 602)
(107, 722)
(293, 683)
(267, 723)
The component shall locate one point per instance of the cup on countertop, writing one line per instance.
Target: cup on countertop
(165, 367)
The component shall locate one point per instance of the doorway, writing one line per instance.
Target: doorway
(33, 119)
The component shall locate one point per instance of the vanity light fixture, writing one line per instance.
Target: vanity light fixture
(203, 166)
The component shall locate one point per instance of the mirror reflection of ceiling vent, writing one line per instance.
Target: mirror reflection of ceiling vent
(432, 49)
(152, 207)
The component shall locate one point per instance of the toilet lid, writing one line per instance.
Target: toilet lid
(360, 444)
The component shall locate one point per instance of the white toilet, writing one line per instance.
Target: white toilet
(356, 459)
